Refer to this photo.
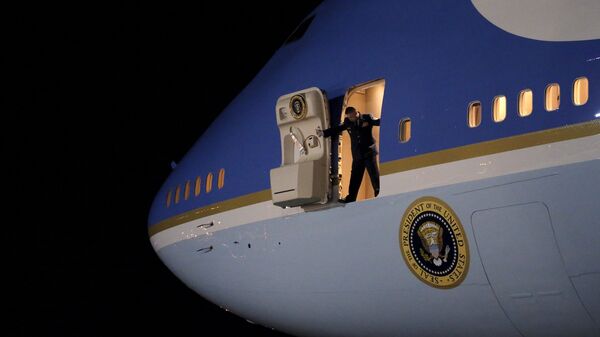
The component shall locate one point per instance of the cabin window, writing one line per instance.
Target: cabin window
(209, 179)
(499, 108)
(580, 91)
(474, 116)
(198, 186)
(221, 181)
(169, 196)
(186, 193)
(552, 97)
(177, 192)
(404, 132)
(525, 102)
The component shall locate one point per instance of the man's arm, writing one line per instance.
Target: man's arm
(334, 130)
(374, 121)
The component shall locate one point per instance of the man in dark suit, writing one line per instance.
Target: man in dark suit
(364, 150)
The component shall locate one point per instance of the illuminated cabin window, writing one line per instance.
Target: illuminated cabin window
(552, 97)
(177, 192)
(525, 103)
(186, 193)
(404, 132)
(580, 91)
(221, 181)
(198, 187)
(209, 179)
(169, 196)
(474, 118)
(499, 108)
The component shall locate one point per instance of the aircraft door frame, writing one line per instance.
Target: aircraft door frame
(372, 103)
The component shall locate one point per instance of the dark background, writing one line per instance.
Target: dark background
(98, 100)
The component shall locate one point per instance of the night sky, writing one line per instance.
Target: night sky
(98, 100)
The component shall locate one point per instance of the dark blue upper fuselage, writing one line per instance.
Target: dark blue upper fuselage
(435, 57)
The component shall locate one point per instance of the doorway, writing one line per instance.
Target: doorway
(367, 98)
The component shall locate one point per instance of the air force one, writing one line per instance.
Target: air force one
(488, 218)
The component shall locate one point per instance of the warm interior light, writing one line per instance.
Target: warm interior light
(474, 117)
(209, 179)
(169, 196)
(197, 189)
(221, 181)
(186, 193)
(525, 102)
(552, 97)
(366, 98)
(405, 126)
(499, 108)
(177, 192)
(580, 91)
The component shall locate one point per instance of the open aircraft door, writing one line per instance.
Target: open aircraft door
(303, 177)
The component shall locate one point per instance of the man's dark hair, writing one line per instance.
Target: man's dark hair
(350, 109)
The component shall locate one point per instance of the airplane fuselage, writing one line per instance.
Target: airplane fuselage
(487, 220)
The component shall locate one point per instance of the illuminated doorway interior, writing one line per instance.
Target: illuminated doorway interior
(368, 99)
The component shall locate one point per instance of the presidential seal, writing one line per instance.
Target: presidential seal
(298, 106)
(433, 243)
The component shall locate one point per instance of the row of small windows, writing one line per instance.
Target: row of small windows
(525, 104)
(208, 186)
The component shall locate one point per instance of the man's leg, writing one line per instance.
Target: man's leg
(371, 164)
(358, 170)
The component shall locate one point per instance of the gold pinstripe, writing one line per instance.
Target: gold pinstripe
(434, 158)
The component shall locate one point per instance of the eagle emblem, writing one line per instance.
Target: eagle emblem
(431, 235)
(298, 107)
(433, 243)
